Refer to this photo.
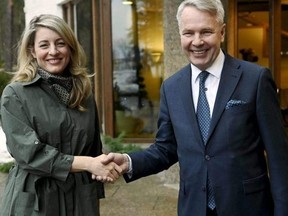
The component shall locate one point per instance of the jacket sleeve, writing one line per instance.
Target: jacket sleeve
(23, 142)
(275, 141)
(160, 155)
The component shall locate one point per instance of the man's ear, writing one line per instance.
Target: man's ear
(223, 31)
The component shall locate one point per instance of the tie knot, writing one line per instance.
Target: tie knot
(203, 76)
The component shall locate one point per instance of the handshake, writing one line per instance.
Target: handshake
(110, 167)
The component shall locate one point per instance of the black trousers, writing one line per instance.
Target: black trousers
(210, 212)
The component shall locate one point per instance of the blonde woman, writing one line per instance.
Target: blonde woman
(49, 117)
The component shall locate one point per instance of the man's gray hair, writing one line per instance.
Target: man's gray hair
(211, 6)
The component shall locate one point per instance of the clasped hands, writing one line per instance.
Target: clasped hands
(111, 167)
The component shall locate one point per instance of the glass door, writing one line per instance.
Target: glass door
(253, 31)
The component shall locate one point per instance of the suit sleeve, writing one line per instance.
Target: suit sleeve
(275, 141)
(163, 153)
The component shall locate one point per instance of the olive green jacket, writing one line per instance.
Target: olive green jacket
(43, 136)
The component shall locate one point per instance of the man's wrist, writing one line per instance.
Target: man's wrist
(129, 164)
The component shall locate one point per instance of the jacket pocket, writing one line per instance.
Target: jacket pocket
(88, 199)
(256, 184)
(24, 204)
(52, 203)
(248, 107)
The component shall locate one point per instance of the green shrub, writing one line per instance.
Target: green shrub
(116, 144)
(4, 168)
(4, 80)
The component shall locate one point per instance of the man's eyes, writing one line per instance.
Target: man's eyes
(207, 33)
(202, 34)
(188, 34)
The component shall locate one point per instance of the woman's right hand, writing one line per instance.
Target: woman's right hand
(107, 172)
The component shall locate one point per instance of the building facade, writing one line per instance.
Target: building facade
(132, 46)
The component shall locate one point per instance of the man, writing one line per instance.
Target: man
(223, 169)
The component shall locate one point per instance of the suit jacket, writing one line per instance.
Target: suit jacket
(245, 126)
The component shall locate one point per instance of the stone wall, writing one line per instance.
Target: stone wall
(174, 59)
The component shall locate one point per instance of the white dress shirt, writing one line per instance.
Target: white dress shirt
(211, 83)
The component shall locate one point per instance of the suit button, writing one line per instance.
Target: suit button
(207, 157)
(204, 189)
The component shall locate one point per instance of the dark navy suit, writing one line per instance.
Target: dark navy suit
(246, 121)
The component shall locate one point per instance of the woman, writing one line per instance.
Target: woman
(50, 121)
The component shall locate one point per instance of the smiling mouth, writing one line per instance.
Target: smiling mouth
(199, 52)
(54, 61)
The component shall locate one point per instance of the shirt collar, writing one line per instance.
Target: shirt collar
(215, 69)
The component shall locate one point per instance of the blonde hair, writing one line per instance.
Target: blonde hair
(27, 65)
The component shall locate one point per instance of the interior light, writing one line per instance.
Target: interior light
(127, 2)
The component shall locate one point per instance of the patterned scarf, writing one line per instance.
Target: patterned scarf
(62, 85)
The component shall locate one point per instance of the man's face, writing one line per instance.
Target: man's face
(201, 36)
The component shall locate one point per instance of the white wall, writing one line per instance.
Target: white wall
(5, 157)
(36, 7)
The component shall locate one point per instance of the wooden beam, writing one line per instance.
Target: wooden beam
(275, 40)
(107, 66)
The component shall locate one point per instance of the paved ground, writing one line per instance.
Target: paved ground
(144, 197)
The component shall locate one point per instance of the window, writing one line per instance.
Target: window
(137, 41)
(253, 31)
(78, 15)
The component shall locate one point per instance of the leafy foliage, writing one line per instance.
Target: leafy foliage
(4, 79)
(8, 43)
(116, 144)
(4, 168)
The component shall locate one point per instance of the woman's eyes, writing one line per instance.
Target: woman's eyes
(43, 45)
(61, 44)
(58, 44)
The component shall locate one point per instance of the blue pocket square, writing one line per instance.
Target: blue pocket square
(233, 103)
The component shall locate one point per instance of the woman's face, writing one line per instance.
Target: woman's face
(51, 51)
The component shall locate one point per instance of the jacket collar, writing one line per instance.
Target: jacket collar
(34, 80)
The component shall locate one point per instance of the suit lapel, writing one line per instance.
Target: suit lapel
(229, 78)
(185, 92)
